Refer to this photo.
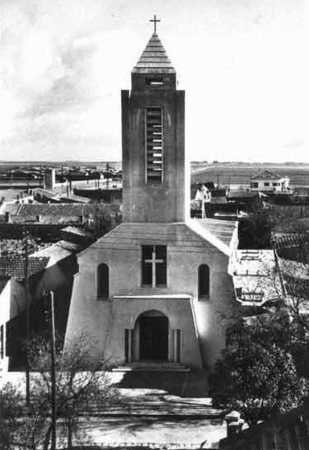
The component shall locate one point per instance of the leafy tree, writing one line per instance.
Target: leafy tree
(256, 374)
(255, 230)
(265, 367)
(292, 252)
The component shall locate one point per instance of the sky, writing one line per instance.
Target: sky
(64, 62)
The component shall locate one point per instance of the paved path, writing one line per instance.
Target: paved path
(155, 419)
(153, 432)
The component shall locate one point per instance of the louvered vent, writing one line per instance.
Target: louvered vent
(154, 145)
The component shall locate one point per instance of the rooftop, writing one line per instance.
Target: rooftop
(53, 209)
(17, 246)
(154, 58)
(267, 175)
(242, 194)
(255, 276)
(191, 234)
(56, 252)
(14, 266)
(77, 231)
(218, 232)
(46, 193)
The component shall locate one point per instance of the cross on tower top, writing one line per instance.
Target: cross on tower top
(155, 21)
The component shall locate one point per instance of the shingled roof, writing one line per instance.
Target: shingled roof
(154, 58)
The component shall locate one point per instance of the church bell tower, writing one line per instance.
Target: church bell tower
(153, 153)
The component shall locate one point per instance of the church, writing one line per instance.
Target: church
(156, 289)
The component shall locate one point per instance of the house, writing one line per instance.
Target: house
(48, 269)
(268, 181)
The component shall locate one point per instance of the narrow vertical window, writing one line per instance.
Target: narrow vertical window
(1, 342)
(103, 281)
(203, 281)
(154, 145)
(178, 345)
(126, 344)
(154, 265)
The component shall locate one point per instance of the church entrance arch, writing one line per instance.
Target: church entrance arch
(152, 331)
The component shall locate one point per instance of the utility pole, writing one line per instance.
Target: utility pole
(203, 207)
(53, 370)
(26, 277)
(107, 172)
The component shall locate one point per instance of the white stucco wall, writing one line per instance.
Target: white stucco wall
(12, 302)
(202, 322)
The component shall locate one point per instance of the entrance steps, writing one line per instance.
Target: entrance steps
(183, 382)
(152, 367)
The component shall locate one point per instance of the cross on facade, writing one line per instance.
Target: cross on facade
(153, 261)
(155, 21)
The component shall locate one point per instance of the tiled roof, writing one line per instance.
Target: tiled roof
(57, 209)
(154, 58)
(15, 266)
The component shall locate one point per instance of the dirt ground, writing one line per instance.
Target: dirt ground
(151, 432)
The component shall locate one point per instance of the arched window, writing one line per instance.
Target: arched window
(103, 281)
(203, 281)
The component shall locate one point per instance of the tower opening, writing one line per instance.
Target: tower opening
(154, 145)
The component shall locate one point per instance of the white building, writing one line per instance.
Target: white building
(156, 288)
(268, 181)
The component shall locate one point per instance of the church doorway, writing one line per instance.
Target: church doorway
(153, 336)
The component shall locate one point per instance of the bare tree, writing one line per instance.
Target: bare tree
(80, 381)
(10, 410)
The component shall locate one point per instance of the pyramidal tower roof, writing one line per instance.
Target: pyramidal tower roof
(154, 58)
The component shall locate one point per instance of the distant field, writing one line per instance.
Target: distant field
(241, 173)
(224, 173)
(18, 164)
